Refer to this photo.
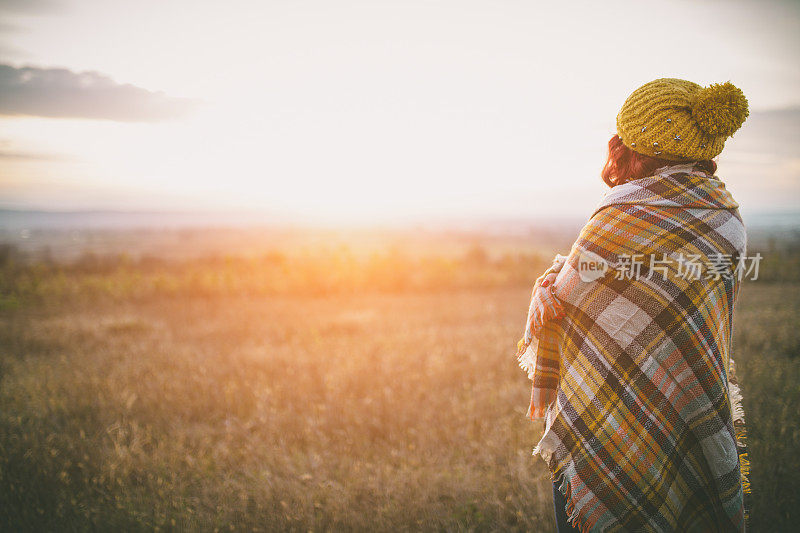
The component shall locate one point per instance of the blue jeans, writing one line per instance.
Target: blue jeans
(560, 504)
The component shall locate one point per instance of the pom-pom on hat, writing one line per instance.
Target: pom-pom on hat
(678, 120)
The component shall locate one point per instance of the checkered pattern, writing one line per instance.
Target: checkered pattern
(644, 424)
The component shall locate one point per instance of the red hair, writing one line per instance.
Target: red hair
(624, 164)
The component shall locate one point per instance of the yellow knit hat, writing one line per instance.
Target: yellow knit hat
(679, 120)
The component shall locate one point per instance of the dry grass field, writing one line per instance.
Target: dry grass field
(132, 399)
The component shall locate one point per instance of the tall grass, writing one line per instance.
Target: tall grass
(142, 406)
(336, 270)
(376, 412)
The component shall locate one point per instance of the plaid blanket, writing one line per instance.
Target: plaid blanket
(629, 352)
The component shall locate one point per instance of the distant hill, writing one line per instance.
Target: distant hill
(70, 234)
(18, 219)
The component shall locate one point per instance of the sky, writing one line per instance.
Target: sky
(372, 110)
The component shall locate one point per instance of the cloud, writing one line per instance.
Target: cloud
(15, 16)
(33, 156)
(775, 132)
(8, 152)
(28, 6)
(790, 113)
(62, 93)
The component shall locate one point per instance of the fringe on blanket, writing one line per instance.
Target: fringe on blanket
(740, 432)
(525, 359)
(573, 518)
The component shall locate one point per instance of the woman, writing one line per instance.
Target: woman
(628, 339)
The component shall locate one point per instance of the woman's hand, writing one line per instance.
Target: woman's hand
(546, 306)
(550, 276)
(549, 279)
